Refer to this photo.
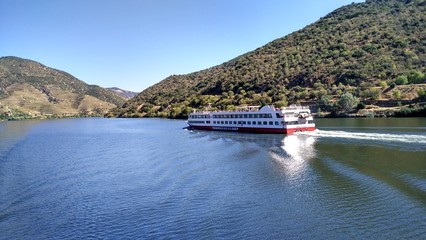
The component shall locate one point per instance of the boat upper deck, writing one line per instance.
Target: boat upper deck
(253, 112)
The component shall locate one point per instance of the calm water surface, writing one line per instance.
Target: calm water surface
(152, 179)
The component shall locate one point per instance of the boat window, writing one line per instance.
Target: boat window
(277, 123)
(245, 115)
(256, 115)
(249, 123)
(254, 122)
(250, 115)
(310, 121)
(279, 115)
(271, 123)
(226, 122)
(239, 122)
(265, 123)
(235, 122)
(221, 122)
(208, 122)
(244, 122)
(259, 123)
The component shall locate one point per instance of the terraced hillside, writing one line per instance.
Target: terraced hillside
(29, 89)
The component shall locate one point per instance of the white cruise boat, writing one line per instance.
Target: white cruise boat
(255, 119)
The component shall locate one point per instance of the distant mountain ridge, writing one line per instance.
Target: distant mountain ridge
(360, 48)
(123, 93)
(31, 89)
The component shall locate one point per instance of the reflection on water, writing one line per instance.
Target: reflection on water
(12, 132)
(294, 154)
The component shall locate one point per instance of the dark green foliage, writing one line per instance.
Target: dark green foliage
(422, 94)
(360, 106)
(401, 80)
(412, 111)
(369, 42)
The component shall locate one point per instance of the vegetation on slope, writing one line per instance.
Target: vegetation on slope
(34, 90)
(372, 50)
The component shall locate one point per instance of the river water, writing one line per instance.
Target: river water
(153, 179)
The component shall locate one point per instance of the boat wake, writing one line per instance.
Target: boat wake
(383, 137)
(294, 155)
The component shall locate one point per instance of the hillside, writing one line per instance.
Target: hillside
(29, 89)
(360, 48)
(123, 93)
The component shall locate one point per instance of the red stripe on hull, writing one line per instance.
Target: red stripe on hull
(256, 130)
(301, 129)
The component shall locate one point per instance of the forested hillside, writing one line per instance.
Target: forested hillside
(372, 51)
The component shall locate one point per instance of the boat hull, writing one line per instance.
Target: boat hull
(256, 130)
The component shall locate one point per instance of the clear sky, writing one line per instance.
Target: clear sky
(133, 44)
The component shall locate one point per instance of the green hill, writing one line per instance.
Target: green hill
(29, 89)
(360, 48)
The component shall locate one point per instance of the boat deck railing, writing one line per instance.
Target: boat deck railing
(243, 109)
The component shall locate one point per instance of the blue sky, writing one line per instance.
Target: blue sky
(133, 44)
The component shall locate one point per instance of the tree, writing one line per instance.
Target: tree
(347, 102)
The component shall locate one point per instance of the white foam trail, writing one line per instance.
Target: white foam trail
(403, 138)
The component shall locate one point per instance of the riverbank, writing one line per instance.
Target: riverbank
(411, 110)
(369, 111)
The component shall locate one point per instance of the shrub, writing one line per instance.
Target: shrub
(360, 106)
(373, 93)
(401, 80)
(396, 94)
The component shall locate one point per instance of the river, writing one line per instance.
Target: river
(153, 179)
